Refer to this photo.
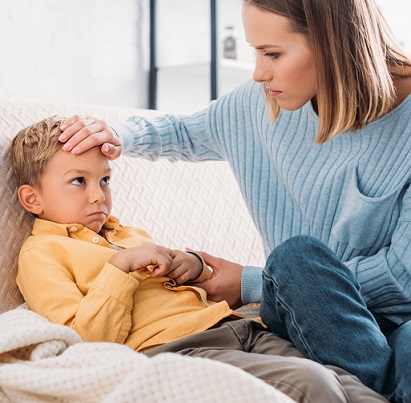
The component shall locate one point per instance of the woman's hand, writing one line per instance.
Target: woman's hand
(80, 133)
(225, 283)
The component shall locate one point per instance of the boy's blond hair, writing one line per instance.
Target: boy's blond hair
(32, 149)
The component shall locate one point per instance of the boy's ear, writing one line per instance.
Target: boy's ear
(29, 199)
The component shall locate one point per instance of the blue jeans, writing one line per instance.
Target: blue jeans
(312, 299)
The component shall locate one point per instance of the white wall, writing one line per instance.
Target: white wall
(96, 51)
(398, 15)
(183, 56)
(75, 51)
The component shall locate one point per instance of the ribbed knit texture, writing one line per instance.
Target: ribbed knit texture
(352, 193)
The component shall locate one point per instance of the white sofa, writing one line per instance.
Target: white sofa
(180, 205)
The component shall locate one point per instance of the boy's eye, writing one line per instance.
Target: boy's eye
(78, 181)
(105, 180)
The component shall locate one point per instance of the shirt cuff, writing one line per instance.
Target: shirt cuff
(117, 284)
(251, 284)
(206, 272)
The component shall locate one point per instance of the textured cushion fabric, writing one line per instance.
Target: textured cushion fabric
(45, 362)
(180, 204)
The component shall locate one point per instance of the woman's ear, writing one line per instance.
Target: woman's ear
(29, 199)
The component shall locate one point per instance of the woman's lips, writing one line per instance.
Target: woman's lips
(274, 93)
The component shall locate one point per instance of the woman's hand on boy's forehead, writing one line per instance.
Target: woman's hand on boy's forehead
(80, 133)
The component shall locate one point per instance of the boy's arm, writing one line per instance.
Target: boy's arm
(101, 313)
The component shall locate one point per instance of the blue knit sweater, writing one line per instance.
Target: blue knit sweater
(352, 193)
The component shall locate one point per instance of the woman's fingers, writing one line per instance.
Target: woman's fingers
(81, 133)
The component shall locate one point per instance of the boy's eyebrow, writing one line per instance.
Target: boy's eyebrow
(77, 171)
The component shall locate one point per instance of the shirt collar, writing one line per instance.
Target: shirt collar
(41, 227)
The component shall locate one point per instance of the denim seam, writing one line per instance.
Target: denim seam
(294, 322)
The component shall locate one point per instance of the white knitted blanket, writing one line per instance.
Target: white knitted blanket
(44, 362)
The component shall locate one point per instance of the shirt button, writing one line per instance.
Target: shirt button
(73, 229)
(96, 239)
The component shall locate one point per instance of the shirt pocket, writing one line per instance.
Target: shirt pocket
(363, 219)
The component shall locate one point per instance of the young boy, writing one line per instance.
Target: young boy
(82, 268)
(90, 285)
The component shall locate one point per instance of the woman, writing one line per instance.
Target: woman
(320, 147)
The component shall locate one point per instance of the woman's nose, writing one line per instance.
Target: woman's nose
(261, 73)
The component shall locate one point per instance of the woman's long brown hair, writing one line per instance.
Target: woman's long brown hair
(355, 54)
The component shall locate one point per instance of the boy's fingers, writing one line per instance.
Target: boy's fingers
(161, 269)
(167, 251)
(156, 272)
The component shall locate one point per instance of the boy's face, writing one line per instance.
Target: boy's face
(75, 189)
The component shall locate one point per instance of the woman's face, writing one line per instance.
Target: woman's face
(284, 62)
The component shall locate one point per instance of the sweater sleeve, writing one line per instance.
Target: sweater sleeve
(251, 284)
(210, 134)
(102, 313)
(175, 137)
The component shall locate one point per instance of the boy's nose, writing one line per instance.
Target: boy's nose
(97, 196)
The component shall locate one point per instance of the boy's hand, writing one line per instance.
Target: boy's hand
(184, 267)
(140, 257)
(80, 133)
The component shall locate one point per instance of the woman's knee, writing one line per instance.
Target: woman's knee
(302, 258)
(288, 258)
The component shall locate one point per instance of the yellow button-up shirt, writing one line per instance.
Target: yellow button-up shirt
(64, 275)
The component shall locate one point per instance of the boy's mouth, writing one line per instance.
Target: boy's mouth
(98, 214)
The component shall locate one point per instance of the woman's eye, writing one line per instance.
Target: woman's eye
(105, 180)
(273, 55)
(78, 181)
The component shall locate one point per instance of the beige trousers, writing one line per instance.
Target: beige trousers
(246, 345)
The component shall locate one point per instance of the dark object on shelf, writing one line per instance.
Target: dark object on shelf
(230, 44)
